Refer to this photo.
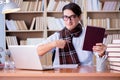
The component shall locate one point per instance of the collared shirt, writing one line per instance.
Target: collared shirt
(85, 57)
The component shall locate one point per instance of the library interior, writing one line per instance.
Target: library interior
(36, 22)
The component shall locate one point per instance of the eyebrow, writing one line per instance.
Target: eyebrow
(69, 16)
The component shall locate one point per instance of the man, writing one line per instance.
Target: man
(68, 42)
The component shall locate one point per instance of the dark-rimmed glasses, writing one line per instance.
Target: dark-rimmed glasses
(72, 17)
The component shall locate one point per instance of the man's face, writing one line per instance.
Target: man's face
(70, 19)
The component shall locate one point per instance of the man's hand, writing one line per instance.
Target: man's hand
(60, 43)
(100, 48)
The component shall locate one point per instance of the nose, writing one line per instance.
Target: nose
(69, 20)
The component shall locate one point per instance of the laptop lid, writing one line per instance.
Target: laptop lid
(25, 57)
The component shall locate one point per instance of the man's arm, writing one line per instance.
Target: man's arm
(44, 48)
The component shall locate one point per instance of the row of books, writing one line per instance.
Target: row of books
(52, 23)
(109, 39)
(58, 23)
(113, 50)
(36, 5)
(14, 25)
(56, 5)
(12, 40)
(111, 5)
(93, 5)
(80, 3)
(97, 5)
(32, 41)
(115, 23)
(105, 23)
(37, 23)
(55, 23)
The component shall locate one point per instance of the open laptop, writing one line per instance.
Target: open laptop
(26, 57)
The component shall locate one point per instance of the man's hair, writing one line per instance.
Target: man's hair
(74, 7)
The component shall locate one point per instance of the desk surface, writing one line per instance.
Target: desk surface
(84, 72)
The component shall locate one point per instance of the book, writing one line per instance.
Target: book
(114, 54)
(11, 40)
(34, 41)
(114, 59)
(114, 71)
(115, 67)
(113, 49)
(32, 24)
(116, 41)
(93, 35)
(114, 63)
(113, 45)
(66, 66)
(9, 26)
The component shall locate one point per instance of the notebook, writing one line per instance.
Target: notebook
(93, 35)
(26, 57)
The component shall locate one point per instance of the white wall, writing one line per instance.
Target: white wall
(2, 33)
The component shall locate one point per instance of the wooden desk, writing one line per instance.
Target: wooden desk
(81, 73)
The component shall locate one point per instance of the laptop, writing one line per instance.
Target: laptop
(26, 57)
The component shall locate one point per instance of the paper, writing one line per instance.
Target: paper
(66, 66)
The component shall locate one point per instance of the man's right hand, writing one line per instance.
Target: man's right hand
(60, 43)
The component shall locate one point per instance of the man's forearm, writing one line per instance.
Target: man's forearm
(43, 49)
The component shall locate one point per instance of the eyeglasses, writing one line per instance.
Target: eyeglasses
(72, 17)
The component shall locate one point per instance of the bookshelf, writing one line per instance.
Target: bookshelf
(32, 18)
(106, 14)
(35, 11)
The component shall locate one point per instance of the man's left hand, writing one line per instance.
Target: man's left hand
(100, 48)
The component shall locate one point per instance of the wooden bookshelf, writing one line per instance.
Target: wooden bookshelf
(108, 13)
(28, 15)
(108, 18)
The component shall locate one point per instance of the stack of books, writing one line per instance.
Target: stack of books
(114, 55)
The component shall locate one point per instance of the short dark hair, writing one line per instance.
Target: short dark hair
(74, 7)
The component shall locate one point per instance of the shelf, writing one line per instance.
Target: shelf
(108, 0)
(26, 31)
(113, 29)
(52, 30)
(102, 15)
(112, 32)
(54, 12)
(103, 11)
(23, 35)
(27, 12)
